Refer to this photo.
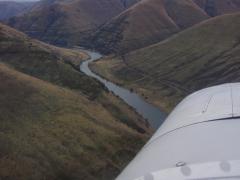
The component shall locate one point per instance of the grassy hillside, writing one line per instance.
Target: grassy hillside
(48, 132)
(56, 123)
(67, 23)
(10, 8)
(219, 7)
(145, 23)
(205, 55)
(57, 66)
(43, 61)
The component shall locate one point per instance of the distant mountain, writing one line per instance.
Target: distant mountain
(56, 123)
(147, 22)
(219, 7)
(10, 8)
(204, 55)
(67, 22)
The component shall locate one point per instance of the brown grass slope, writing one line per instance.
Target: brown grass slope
(53, 133)
(43, 61)
(64, 126)
(205, 55)
(147, 22)
(66, 23)
(58, 66)
(219, 7)
(10, 8)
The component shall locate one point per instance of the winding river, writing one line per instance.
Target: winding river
(153, 114)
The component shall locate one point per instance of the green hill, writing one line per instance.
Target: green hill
(145, 23)
(66, 23)
(205, 55)
(43, 61)
(56, 123)
(49, 132)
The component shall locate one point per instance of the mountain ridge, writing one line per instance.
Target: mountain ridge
(66, 23)
(167, 71)
(145, 23)
(219, 7)
(9, 9)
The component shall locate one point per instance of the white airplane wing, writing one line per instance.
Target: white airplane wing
(199, 140)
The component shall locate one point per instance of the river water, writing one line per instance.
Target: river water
(153, 114)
